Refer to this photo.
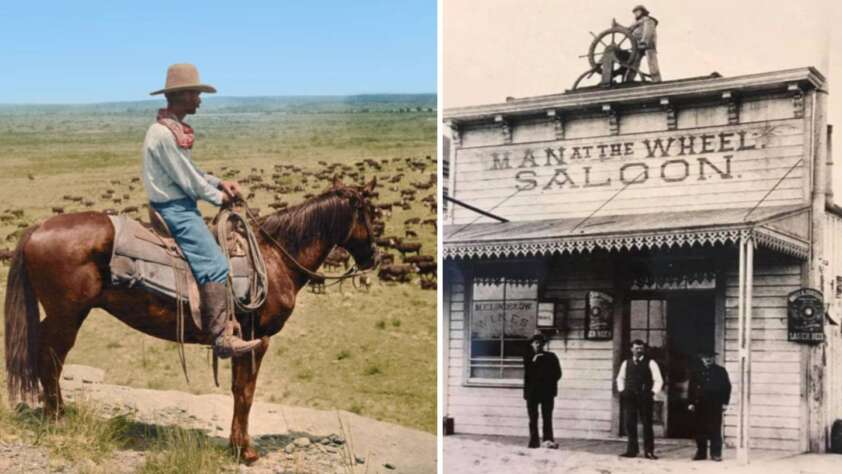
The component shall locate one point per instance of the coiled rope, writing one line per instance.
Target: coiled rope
(259, 280)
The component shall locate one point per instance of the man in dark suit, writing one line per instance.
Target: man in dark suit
(540, 387)
(638, 381)
(709, 394)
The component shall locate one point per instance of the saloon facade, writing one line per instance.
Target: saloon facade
(693, 214)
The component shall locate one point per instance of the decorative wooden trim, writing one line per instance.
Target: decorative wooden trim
(505, 128)
(797, 100)
(455, 133)
(558, 123)
(613, 119)
(672, 115)
(733, 107)
(623, 242)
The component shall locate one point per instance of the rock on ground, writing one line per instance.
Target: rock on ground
(289, 439)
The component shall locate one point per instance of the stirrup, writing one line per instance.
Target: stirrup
(226, 346)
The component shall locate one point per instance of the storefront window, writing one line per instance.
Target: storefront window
(504, 315)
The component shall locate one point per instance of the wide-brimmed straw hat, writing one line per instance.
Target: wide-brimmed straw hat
(183, 77)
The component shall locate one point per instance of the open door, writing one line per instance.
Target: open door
(690, 329)
(675, 326)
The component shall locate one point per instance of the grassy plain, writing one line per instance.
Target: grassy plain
(373, 353)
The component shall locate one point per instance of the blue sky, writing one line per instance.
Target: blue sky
(85, 51)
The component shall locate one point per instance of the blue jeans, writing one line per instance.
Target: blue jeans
(195, 240)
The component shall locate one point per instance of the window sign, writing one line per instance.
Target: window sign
(546, 315)
(504, 315)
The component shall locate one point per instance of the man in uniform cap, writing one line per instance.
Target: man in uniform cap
(709, 394)
(540, 387)
(644, 33)
(173, 184)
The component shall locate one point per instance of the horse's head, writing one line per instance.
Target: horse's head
(360, 240)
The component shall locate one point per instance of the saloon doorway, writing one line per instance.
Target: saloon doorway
(675, 325)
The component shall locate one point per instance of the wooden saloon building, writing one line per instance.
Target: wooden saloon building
(693, 214)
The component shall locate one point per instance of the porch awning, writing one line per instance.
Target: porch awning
(781, 228)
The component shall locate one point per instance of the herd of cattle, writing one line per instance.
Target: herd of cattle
(409, 182)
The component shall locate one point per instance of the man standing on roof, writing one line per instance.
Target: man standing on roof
(173, 184)
(644, 33)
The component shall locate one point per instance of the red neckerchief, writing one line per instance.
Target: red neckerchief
(183, 133)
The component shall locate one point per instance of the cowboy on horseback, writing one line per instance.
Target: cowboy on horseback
(174, 184)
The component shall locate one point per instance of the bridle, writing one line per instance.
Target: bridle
(358, 202)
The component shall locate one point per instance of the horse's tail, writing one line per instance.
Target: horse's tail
(22, 320)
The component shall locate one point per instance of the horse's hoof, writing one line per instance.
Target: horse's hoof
(248, 456)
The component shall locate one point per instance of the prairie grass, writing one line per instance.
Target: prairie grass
(49, 152)
(181, 451)
(78, 435)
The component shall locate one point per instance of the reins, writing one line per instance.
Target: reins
(313, 275)
(259, 283)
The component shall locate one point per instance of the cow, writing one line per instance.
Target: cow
(407, 247)
(399, 272)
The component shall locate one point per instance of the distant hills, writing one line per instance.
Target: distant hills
(398, 103)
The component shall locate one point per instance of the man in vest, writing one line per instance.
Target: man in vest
(709, 394)
(540, 387)
(638, 381)
(644, 33)
(173, 184)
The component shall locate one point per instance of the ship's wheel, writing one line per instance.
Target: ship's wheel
(612, 56)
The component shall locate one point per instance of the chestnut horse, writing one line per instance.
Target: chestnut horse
(63, 264)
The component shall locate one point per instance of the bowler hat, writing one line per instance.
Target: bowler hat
(538, 337)
(707, 353)
(641, 8)
(183, 77)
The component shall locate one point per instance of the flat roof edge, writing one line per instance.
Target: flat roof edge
(806, 76)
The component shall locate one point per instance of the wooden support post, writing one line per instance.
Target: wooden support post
(744, 347)
(817, 412)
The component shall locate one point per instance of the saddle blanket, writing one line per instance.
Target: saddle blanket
(144, 259)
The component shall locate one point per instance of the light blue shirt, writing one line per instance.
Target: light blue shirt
(169, 172)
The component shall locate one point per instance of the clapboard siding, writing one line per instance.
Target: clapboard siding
(670, 183)
(585, 397)
(584, 405)
(777, 388)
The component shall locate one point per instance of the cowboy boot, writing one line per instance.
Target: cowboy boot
(219, 333)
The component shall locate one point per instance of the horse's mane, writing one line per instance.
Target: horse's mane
(324, 217)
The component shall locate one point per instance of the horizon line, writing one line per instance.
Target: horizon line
(152, 99)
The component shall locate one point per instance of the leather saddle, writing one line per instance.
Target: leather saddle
(147, 257)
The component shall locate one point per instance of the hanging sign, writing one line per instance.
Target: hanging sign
(599, 312)
(805, 310)
(546, 314)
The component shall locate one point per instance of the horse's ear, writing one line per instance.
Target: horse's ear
(337, 183)
(370, 186)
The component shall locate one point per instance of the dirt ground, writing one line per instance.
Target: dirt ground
(466, 454)
(290, 439)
